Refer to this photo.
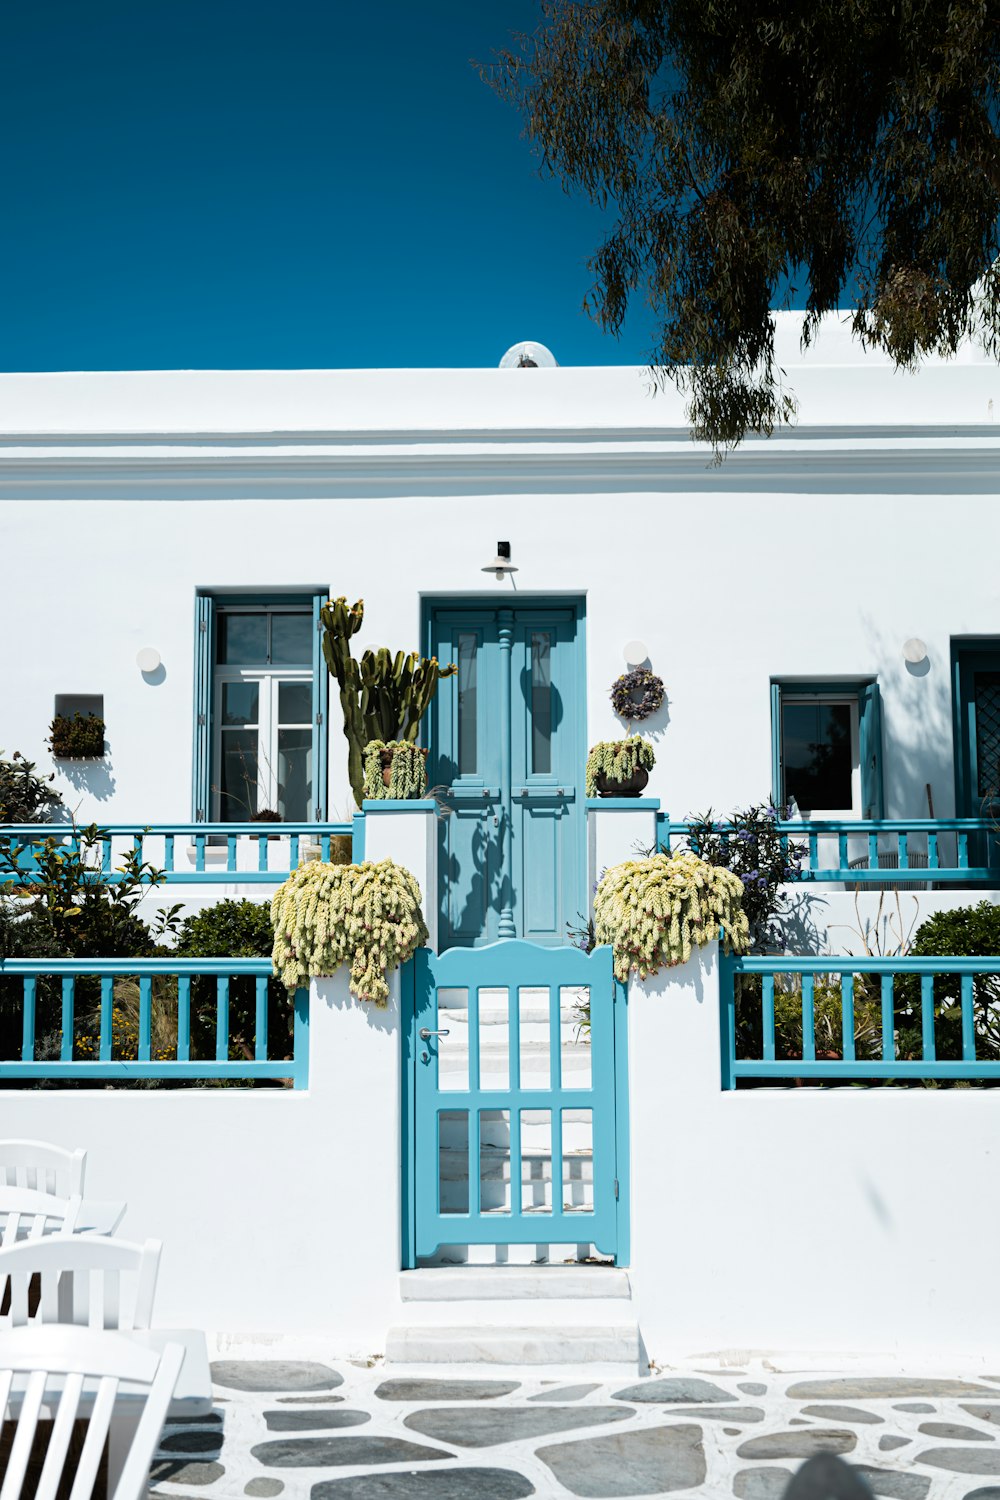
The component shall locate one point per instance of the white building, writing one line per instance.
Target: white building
(824, 611)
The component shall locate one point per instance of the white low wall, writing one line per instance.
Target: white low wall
(842, 1221)
(278, 1209)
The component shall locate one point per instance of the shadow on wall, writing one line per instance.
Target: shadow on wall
(917, 729)
(95, 777)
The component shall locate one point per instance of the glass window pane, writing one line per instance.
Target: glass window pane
(541, 702)
(468, 705)
(987, 691)
(238, 775)
(294, 702)
(817, 756)
(291, 639)
(294, 771)
(240, 702)
(242, 639)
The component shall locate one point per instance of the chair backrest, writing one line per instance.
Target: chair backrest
(26, 1214)
(84, 1279)
(46, 1168)
(80, 1373)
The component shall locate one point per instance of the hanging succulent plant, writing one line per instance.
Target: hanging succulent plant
(394, 769)
(328, 915)
(618, 767)
(655, 911)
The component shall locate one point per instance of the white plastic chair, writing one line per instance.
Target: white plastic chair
(88, 1280)
(79, 1373)
(44, 1167)
(27, 1214)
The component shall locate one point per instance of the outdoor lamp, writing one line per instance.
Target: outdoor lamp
(148, 659)
(634, 653)
(914, 650)
(501, 564)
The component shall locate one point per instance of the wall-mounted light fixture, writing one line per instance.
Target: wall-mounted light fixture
(914, 650)
(148, 659)
(634, 653)
(501, 564)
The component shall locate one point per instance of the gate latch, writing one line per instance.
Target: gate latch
(425, 1034)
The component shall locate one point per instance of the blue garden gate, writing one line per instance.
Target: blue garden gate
(515, 1101)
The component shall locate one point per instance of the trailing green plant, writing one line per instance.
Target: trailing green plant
(655, 911)
(367, 916)
(407, 769)
(749, 844)
(80, 737)
(382, 697)
(25, 797)
(617, 760)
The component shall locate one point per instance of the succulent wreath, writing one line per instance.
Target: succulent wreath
(637, 694)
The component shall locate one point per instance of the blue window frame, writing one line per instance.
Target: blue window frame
(826, 747)
(256, 657)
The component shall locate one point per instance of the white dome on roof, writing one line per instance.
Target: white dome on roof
(528, 355)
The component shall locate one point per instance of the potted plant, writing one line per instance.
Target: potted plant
(394, 769)
(655, 911)
(619, 768)
(77, 737)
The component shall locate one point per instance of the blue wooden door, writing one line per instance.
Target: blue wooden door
(516, 1126)
(508, 741)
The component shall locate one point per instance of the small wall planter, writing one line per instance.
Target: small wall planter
(619, 768)
(395, 770)
(77, 737)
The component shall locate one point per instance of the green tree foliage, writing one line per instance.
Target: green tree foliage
(24, 796)
(851, 149)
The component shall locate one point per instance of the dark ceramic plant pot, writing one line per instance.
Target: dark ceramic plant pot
(633, 787)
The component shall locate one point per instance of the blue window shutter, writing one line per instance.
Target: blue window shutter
(777, 773)
(870, 748)
(204, 633)
(321, 713)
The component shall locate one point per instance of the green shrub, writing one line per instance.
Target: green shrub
(234, 929)
(25, 797)
(229, 929)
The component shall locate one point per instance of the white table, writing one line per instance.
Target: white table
(100, 1215)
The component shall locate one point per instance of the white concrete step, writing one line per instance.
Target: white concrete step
(609, 1351)
(514, 1283)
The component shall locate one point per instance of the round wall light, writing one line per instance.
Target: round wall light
(634, 653)
(914, 650)
(148, 659)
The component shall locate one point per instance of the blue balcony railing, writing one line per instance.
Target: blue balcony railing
(847, 1017)
(187, 853)
(882, 852)
(129, 1019)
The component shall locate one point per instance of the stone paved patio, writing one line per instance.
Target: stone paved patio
(310, 1431)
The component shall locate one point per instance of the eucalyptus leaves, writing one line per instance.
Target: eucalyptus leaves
(655, 911)
(406, 764)
(364, 915)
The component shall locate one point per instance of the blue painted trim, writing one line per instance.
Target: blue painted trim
(623, 1138)
(968, 655)
(320, 712)
(399, 805)
(204, 656)
(622, 804)
(860, 964)
(358, 838)
(865, 688)
(408, 981)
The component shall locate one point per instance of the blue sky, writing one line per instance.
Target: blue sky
(199, 183)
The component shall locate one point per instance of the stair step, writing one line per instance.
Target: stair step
(609, 1347)
(514, 1283)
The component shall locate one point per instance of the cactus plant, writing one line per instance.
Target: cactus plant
(382, 697)
(407, 767)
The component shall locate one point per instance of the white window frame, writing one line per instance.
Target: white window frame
(821, 814)
(269, 680)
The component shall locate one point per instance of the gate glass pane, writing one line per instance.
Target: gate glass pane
(574, 1011)
(494, 1039)
(541, 702)
(494, 1161)
(578, 1160)
(453, 1161)
(536, 1030)
(468, 705)
(536, 1161)
(453, 1049)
